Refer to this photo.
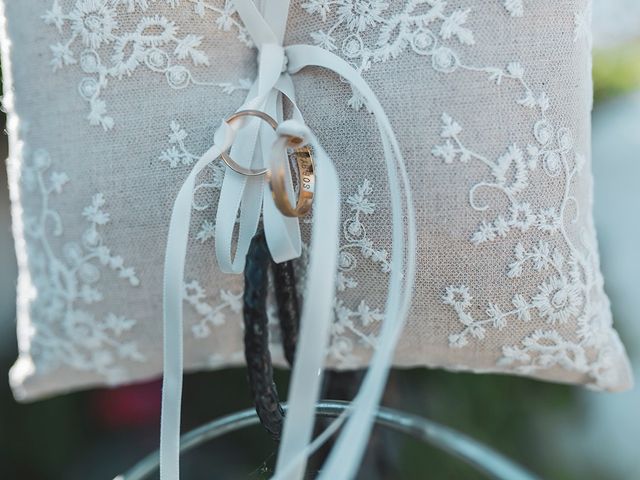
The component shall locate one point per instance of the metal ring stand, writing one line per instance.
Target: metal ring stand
(479, 456)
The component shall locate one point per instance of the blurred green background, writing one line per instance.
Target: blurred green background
(558, 432)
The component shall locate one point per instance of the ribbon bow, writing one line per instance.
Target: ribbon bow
(248, 197)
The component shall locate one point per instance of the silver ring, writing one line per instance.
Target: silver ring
(230, 162)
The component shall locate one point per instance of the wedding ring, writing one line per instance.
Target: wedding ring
(306, 182)
(277, 178)
(230, 162)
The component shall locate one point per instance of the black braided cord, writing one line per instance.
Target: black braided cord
(284, 281)
(256, 333)
(256, 343)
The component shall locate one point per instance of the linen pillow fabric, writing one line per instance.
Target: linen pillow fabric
(110, 102)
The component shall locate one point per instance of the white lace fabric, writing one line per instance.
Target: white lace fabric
(111, 101)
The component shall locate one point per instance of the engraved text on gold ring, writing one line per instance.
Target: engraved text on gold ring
(306, 185)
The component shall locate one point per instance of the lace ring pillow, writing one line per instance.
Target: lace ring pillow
(111, 102)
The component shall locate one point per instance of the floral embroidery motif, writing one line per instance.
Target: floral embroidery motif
(570, 268)
(425, 26)
(211, 316)
(96, 42)
(178, 154)
(94, 39)
(66, 284)
(356, 325)
(355, 235)
(420, 25)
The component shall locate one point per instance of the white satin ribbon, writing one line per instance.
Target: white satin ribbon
(242, 196)
(251, 144)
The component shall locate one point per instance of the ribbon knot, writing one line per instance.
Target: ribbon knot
(243, 201)
(295, 129)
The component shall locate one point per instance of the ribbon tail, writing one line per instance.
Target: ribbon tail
(347, 453)
(238, 200)
(173, 289)
(317, 318)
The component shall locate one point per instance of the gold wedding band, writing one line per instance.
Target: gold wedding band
(306, 183)
(277, 179)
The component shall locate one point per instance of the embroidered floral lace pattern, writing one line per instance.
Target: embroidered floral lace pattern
(66, 284)
(107, 43)
(359, 324)
(94, 41)
(565, 296)
(566, 293)
(424, 26)
(212, 316)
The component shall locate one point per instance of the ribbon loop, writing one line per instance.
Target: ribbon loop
(272, 63)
